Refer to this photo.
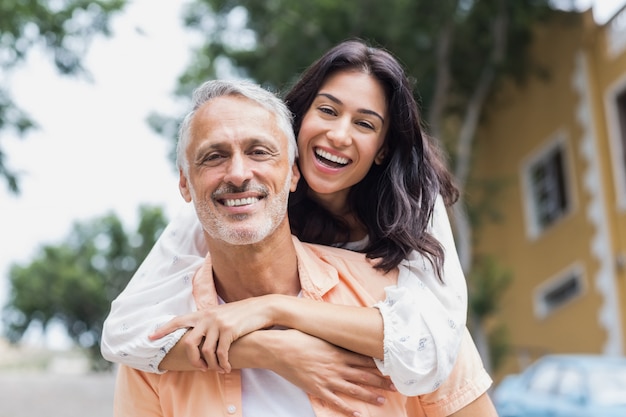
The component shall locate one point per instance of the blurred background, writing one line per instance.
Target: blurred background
(528, 98)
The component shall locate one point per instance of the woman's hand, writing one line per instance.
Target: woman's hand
(214, 329)
(323, 370)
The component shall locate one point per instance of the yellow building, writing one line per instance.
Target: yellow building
(558, 144)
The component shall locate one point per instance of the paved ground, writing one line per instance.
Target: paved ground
(38, 394)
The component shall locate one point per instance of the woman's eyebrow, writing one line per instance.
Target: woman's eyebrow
(365, 111)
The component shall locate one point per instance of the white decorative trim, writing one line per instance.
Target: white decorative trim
(616, 34)
(609, 315)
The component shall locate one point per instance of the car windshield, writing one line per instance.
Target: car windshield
(608, 386)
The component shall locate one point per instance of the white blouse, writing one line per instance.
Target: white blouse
(423, 318)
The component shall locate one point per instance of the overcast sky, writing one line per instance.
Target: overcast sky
(94, 152)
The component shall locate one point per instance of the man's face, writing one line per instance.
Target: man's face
(239, 173)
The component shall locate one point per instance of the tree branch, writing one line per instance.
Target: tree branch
(468, 130)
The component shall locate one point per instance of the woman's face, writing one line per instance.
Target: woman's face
(342, 135)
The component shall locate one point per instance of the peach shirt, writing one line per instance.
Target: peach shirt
(326, 274)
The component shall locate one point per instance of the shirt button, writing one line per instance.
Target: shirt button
(231, 409)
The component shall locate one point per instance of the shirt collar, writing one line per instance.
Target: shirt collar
(316, 276)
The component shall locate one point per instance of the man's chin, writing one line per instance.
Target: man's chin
(242, 237)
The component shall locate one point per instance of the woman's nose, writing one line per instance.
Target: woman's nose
(339, 134)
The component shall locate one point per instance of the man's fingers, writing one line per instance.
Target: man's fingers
(366, 377)
(339, 404)
(354, 359)
(361, 393)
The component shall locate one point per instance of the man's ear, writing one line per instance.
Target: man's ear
(295, 177)
(183, 186)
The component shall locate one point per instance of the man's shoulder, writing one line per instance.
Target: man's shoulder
(333, 268)
(345, 259)
(338, 253)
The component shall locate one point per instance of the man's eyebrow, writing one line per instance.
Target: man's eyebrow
(365, 111)
(226, 145)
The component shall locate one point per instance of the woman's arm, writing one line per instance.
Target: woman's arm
(314, 365)
(422, 321)
(358, 329)
(158, 291)
(415, 307)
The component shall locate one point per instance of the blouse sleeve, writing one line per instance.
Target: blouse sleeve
(424, 318)
(160, 290)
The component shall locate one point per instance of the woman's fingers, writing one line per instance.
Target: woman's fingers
(192, 342)
(174, 324)
(223, 347)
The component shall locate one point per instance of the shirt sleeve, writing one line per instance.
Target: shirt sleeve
(424, 318)
(467, 381)
(136, 394)
(160, 290)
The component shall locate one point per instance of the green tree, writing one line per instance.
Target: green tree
(74, 282)
(456, 51)
(64, 29)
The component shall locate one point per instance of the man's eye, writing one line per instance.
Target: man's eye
(260, 152)
(212, 157)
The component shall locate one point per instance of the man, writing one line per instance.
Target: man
(236, 158)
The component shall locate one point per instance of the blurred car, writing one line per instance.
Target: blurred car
(573, 385)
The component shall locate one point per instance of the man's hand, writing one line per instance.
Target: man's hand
(325, 371)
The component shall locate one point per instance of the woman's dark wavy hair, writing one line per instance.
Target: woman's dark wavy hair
(395, 200)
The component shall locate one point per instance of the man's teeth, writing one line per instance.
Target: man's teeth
(240, 202)
(333, 158)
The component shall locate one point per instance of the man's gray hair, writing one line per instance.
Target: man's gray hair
(220, 88)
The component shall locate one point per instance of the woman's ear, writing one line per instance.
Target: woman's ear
(380, 156)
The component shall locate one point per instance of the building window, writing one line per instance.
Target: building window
(615, 101)
(620, 102)
(546, 184)
(558, 291)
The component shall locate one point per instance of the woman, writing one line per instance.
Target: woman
(372, 182)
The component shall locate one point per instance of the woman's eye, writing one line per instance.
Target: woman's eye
(366, 125)
(327, 110)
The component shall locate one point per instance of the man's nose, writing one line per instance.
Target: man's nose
(339, 133)
(238, 171)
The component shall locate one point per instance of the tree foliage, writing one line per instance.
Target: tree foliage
(273, 41)
(63, 29)
(75, 281)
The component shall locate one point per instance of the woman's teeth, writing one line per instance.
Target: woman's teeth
(332, 158)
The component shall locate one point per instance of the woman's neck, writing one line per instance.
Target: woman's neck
(337, 205)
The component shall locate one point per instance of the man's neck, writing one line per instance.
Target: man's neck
(267, 267)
